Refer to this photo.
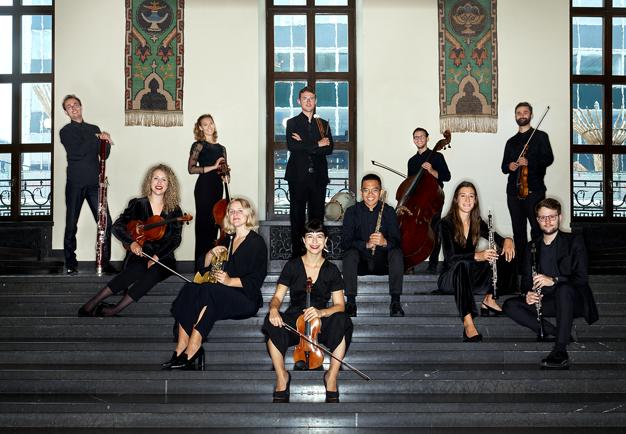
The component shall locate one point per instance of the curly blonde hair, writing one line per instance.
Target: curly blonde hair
(171, 198)
(251, 221)
(197, 132)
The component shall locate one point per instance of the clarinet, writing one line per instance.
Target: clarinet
(102, 208)
(379, 221)
(494, 265)
(538, 306)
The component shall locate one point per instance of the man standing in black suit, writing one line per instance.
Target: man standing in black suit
(309, 141)
(82, 144)
(559, 268)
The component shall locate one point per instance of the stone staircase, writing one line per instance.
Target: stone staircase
(64, 374)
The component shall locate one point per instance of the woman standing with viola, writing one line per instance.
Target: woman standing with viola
(205, 158)
(160, 198)
(336, 326)
(467, 271)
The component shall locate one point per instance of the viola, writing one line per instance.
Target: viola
(152, 228)
(419, 198)
(522, 173)
(307, 354)
(219, 209)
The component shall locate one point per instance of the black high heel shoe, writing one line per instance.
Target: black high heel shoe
(475, 338)
(331, 397)
(189, 364)
(488, 310)
(283, 395)
(170, 362)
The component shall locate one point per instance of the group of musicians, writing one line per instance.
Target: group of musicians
(553, 266)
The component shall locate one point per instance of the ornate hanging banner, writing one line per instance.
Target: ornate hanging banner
(154, 62)
(468, 66)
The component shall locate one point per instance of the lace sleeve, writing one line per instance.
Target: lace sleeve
(192, 164)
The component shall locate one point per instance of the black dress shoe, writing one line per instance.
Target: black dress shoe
(83, 312)
(350, 309)
(189, 364)
(557, 359)
(71, 271)
(475, 338)
(170, 362)
(395, 309)
(331, 397)
(283, 395)
(488, 310)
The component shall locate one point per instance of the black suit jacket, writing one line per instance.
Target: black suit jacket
(307, 152)
(571, 257)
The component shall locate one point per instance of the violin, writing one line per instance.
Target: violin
(522, 173)
(219, 209)
(307, 354)
(152, 228)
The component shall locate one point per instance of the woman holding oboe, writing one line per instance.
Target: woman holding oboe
(467, 271)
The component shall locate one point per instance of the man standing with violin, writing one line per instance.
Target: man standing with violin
(525, 187)
(82, 145)
(309, 141)
(435, 164)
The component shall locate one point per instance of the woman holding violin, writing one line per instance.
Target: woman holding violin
(467, 271)
(160, 201)
(336, 327)
(235, 295)
(207, 159)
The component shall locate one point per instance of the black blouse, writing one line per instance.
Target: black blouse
(454, 252)
(203, 154)
(249, 263)
(294, 276)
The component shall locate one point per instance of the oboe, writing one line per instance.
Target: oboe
(494, 265)
(538, 306)
(102, 208)
(379, 221)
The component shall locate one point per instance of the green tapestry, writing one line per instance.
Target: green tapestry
(154, 62)
(468, 66)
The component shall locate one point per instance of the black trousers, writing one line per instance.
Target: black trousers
(334, 329)
(311, 193)
(383, 262)
(523, 211)
(142, 278)
(563, 302)
(433, 260)
(75, 195)
(221, 301)
(468, 277)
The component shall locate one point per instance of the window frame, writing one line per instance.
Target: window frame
(17, 79)
(607, 79)
(311, 77)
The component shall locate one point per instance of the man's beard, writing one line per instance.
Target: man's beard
(522, 121)
(550, 231)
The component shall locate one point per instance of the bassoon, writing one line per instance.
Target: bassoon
(102, 207)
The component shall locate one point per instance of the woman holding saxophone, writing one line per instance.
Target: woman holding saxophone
(236, 293)
(467, 271)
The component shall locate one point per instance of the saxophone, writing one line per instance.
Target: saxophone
(102, 208)
(494, 265)
(538, 305)
(218, 260)
(383, 195)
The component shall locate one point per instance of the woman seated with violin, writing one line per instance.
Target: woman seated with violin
(160, 204)
(236, 293)
(336, 327)
(466, 271)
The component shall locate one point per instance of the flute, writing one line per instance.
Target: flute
(379, 220)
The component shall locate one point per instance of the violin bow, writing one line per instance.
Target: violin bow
(165, 266)
(327, 351)
(532, 134)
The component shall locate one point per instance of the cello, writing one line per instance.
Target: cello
(219, 209)
(419, 198)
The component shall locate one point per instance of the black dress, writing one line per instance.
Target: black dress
(463, 276)
(249, 263)
(207, 192)
(136, 271)
(334, 328)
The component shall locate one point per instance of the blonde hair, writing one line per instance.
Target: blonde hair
(197, 132)
(251, 221)
(171, 198)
